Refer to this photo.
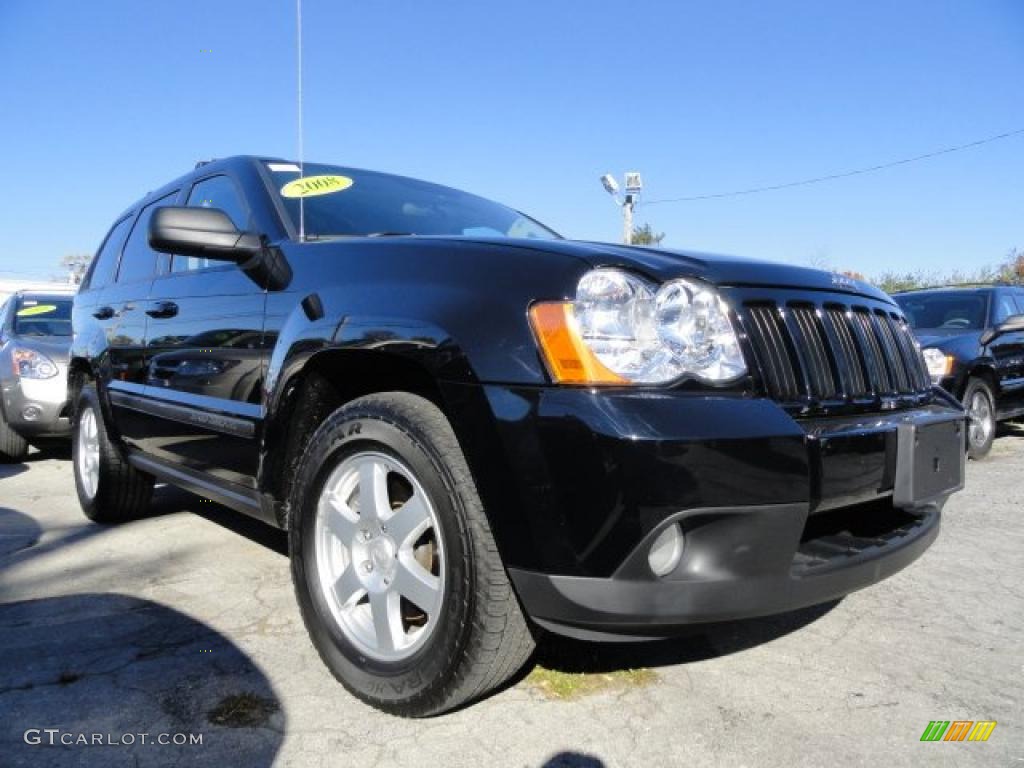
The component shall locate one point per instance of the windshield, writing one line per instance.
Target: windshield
(945, 310)
(347, 202)
(42, 316)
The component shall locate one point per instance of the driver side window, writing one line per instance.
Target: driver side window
(214, 192)
(1005, 307)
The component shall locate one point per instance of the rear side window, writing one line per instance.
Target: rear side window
(214, 192)
(105, 264)
(139, 260)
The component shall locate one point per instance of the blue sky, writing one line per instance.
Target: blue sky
(528, 103)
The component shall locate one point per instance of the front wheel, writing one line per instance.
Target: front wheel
(981, 413)
(395, 569)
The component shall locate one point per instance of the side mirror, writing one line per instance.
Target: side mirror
(1009, 325)
(210, 233)
(204, 232)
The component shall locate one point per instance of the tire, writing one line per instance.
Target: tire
(981, 411)
(474, 635)
(115, 491)
(13, 447)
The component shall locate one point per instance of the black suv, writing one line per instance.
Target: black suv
(472, 428)
(973, 342)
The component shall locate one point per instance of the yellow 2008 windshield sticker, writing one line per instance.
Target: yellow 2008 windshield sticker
(38, 309)
(311, 186)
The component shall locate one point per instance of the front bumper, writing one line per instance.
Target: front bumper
(737, 563)
(37, 408)
(777, 512)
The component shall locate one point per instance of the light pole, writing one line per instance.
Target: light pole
(633, 185)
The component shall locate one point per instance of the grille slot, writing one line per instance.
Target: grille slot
(769, 339)
(833, 352)
(850, 364)
(810, 345)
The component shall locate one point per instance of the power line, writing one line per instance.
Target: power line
(833, 176)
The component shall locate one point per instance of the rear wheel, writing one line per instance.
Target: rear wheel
(110, 490)
(395, 569)
(981, 413)
(13, 447)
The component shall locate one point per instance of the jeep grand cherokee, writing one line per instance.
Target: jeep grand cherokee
(473, 429)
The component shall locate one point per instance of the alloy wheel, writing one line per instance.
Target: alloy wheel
(379, 555)
(982, 422)
(88, 458)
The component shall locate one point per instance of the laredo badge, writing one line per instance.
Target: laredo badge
(310, 186)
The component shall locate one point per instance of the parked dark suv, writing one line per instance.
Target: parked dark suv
(973, 341)
(473, 429)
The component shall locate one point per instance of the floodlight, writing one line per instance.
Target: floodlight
(610, 185)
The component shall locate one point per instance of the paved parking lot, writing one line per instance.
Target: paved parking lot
(184, 623)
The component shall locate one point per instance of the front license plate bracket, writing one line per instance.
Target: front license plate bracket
(930, 462)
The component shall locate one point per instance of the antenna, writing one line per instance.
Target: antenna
(298, 28)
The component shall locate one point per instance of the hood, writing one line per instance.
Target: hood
(943, 339)
(57, 348)
(665, 264)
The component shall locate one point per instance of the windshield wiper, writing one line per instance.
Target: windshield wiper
(314, 237)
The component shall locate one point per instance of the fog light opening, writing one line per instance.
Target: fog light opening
(666, 551)
(31, 412)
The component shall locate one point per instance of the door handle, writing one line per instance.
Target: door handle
(163, 309)
(104, 313)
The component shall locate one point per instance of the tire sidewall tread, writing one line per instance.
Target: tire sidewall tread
(13, 447)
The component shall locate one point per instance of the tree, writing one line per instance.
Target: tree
(894, 282)
(1012, 269)
(644, 235)
(74, 266)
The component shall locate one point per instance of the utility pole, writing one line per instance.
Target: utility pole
(633, 185)
(627, 220)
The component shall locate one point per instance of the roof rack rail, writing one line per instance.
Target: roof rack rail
(201, 163)
(992, 284)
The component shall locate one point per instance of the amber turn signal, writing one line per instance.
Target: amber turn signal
(568, 359)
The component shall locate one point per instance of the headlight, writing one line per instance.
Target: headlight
(938, 362)
(204, 367)
(623, 330)
(29, 364)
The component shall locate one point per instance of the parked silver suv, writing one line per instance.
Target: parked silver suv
(35, 340)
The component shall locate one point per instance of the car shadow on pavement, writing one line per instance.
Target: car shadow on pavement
(1009, 429)
(12, 469)
(101, 670)
(573, 760)
(17, 531)
(22, 540)
(704, 641)
(167, 499)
